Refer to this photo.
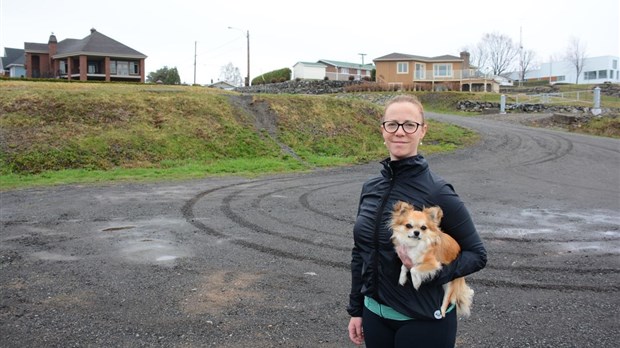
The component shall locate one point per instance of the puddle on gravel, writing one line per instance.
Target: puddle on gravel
(547, 221)
(586, 231)
(166, 258)
(152, 251)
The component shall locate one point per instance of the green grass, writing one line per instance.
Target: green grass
(67, 133)
(179, 171)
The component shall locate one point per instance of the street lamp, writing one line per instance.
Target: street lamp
(247, 79)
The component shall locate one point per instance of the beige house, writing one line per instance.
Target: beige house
(442, 73)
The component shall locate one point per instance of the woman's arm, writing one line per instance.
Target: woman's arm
(356, 299)
(457, 223)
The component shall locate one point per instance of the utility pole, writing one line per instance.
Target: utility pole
(195, 45)
(247, 79)
(521, 57)
(362, 54)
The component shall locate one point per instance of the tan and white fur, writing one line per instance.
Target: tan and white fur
(429, 248)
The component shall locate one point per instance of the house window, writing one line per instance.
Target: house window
(442, 70)
(420, 71)
(122, 68)
(345, 70)
(402, 68)
(119, 67)
(62, 67)
(614, 64)
(92, 68)
(561, 78)
(589, 75)
(134, 68)
(602, 74)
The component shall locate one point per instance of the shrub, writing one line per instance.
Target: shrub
(280, 75)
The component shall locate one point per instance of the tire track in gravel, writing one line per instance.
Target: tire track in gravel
(552, 148)
(190, 217)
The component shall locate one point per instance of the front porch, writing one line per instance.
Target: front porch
(95, 68)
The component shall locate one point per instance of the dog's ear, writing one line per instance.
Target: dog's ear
(435, 214)
(400, 207)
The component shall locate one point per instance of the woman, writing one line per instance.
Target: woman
(384, 313)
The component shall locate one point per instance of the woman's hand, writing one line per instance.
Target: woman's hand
(401, 250)
(356, 333)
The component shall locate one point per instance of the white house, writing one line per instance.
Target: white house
(222, 85)
(309, 71)
(343, 71)
(595, 70)
(12, 64)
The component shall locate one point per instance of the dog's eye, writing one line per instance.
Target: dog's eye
(409, 226)
(423, 228)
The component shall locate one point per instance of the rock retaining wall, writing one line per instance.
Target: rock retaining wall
(300, 87)
(478, 106)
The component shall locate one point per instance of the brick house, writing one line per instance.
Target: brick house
(95, 57)
(445, 72)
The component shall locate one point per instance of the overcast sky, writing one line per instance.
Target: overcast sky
(282, 33)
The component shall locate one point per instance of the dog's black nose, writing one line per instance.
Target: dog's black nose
(416, 233)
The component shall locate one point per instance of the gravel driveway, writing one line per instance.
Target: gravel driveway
(235, 262)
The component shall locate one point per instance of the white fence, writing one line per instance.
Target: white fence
(585, 97)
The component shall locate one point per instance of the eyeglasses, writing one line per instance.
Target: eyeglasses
(409, 127)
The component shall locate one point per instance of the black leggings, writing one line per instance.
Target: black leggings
(382, 333)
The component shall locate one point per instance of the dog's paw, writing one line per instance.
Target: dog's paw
(402, 280)
(416, 280)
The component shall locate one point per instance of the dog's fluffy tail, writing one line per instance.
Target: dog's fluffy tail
(464, 296)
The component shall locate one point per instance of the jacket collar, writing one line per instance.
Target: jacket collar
(413, 165)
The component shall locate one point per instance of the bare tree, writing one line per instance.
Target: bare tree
(231, 74)
(576, 55)
(498, 51)
(526, 59)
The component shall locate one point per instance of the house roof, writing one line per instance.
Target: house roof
(222, 85)
(347, 64)
(402, 56)
(318, 65)
(12, 56)
(94, 44)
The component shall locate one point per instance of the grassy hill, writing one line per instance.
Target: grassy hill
(54, 133)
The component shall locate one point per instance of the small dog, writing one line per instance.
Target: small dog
(429, 248)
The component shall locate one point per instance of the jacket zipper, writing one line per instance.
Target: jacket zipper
(375, 273)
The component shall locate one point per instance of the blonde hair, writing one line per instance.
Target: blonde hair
(404, 98)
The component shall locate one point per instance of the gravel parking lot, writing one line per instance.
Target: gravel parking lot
(237, 262)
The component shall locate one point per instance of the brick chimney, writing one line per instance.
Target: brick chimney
(52, 45)
(465, 58)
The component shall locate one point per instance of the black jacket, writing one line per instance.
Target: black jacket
(375, 266)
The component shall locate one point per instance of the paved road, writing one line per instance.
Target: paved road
(234, 262)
